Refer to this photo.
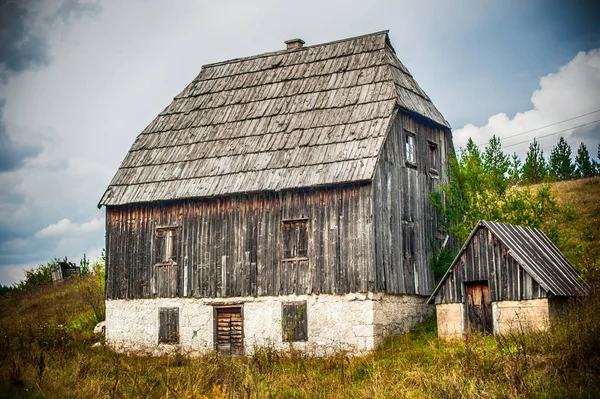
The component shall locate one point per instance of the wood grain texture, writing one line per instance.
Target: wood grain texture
(233, 246)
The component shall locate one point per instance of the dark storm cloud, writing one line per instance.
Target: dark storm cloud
(20, 47)
(12, 155)
(23, 23)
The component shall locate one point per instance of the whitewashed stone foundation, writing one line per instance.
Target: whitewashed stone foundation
(353, 322)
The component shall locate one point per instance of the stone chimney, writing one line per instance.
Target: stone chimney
(294, 43)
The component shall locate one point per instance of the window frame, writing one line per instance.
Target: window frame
(172, 336)
(295, 253)
(169, 234)
(433, 157)
(410, 149)
(299, 321)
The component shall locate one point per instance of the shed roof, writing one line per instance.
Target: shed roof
(536, 254)
(301, 117)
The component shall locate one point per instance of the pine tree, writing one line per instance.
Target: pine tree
(585, 168)
(561, 166)
(597, 163)
(514, 170)
(495, 164)
(534, 169)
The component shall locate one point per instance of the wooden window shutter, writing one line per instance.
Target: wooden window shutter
(160, 247)
(295, 239)
(168, 325)
(294, 322)
(173, 246)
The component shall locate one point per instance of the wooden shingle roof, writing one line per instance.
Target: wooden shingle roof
(304, 117)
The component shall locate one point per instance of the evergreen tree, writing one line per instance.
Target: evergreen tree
(514, 170)
(597, 163)
(495, 164)
(561, 166)
(534, 169)
(585, 168)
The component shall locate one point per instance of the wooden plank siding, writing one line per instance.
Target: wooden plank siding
(485, 258)
(405, 223)
(232, 246)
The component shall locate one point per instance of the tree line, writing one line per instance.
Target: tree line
(537, 169)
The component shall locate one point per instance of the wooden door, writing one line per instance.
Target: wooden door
(229, 334)
(479, 307)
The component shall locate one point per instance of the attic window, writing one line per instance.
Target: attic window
(433, 156)
(295, 239)
(166, 245)
(410, 148)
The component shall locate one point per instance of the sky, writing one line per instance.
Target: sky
(80, 79)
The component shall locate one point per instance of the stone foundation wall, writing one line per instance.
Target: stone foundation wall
(520, 315)
(353, 322)
(395, 314)
(450, 320)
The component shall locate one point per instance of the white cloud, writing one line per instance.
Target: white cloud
(573, 91)
(67, 228)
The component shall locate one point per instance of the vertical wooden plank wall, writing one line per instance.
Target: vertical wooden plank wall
(486, 259)
(405, 222)
(233, 246)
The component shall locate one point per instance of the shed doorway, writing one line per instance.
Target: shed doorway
(229, 333)
(479, 307)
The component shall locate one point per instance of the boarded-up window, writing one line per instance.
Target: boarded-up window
(294, 323)
(410, 148)
(295, 239)
(166, 245)
(229, 334)
(168, 331)
(433, 156)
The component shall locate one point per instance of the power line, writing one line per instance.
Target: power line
(543, 127)
(552, 134)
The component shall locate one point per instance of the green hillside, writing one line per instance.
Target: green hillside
(46, 338)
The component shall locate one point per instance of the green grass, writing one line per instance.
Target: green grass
(46, 345)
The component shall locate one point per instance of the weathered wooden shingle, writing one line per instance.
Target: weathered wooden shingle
(304, 117)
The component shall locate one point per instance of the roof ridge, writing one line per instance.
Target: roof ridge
(271, 53)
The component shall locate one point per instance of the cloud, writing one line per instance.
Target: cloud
(12, 154)
(571, 92)
(67, 228)
(23, 30)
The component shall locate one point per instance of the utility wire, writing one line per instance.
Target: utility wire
(543, 127)
(551, 134)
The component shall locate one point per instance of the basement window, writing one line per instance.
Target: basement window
(295, 239)
(294, 323)
(166, 245)
(410, 148)
(168, 331)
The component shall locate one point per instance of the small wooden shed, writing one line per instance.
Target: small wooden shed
(505, 277)
(64, 269)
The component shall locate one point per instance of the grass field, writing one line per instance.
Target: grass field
(46, 339)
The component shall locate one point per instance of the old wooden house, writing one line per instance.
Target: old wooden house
(63, 269)
(280, 199)
(504, 278)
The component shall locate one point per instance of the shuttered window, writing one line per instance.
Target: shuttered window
(166, 245)
(295, 239)
(294, 322)
(229, 333)
(433, 156)
(168, 331)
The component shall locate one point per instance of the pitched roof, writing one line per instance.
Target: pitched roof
(303, 117)
(536, 254)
